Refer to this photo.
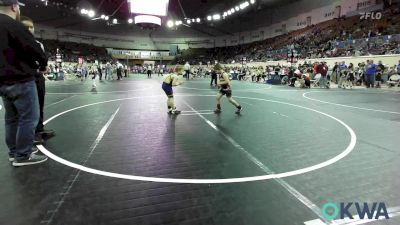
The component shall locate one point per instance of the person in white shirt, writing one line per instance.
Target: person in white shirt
(126, 70)
(108, 71)
(119, 71)
(149, 70)
(94, 71)
(186, 67)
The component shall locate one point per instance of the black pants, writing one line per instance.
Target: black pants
(119, 74)
(241, 77)
(148, 73)
(41, 90)
(213, 79)
(187, 73)
(126, 73)
(307, 83)
(100, 74)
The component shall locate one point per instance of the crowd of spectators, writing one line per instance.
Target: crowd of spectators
(345, 75)
(338, 37)
(71, 52)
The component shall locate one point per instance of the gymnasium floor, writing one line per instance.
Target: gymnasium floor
(140, 166)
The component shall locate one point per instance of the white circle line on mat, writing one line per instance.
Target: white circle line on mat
(347, 151)
(347, 106)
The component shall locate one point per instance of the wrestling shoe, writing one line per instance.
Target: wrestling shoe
(240, 108)
(217, 111)
(176, 112)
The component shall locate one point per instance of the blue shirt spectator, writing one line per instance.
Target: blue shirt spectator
(342, 66)
(371, 69)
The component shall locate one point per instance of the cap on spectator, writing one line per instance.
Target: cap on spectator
(10, 2)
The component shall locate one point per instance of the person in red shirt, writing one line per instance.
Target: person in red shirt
(322, 69)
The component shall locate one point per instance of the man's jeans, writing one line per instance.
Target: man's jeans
(323, 82)
(370, 80)
(21, 117)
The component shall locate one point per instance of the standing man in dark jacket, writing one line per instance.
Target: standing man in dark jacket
(20, 58)
(41, 90)
(214, 77)
(380, 69)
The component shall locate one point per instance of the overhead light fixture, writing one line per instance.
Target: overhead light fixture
(103, 16)
(216, 17)
(198, 20)
(209, 18)
(83, 11)
(106, 18)
(170, 23)
(147, 19)
(130, 20)
(237, 8)
(252, 1)
(244, 5)
(91, 13)
(145, 7)
(115, 21)
(188, 21)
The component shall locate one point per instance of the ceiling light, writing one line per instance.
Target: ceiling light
(115, 21)
(170, 23)
(216, 17)
(107, 18)
(209, 18)
(147, 19)
(83, 11)
(244, 5)
(130, 20)
(198, 20)
(188, 21)
(91, 13)
(252, 1)
(102, 16)
(237, 8)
